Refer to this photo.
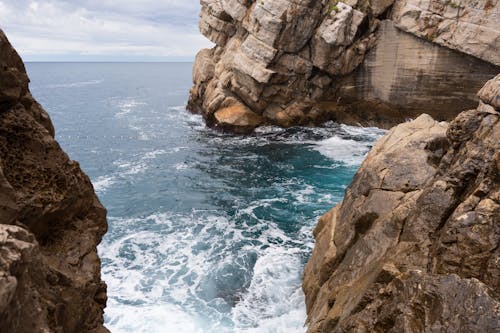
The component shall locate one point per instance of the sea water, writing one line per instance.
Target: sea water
(208, 232)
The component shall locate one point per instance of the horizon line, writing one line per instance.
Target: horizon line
(109, 61)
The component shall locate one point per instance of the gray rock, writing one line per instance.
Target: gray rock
(338, 59)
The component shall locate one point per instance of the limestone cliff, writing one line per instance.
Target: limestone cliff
(290, 62)
(50, 220)
(413, 247)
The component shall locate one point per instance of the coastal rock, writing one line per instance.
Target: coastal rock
(338, 59)
(413, 247)
(51, 220)
(472, 27)
(237, 118)
(266, 53)
(398, 78)
(490, 93)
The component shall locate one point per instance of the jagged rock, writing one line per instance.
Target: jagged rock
(270, 55)
(51, 220)
(235, 8)
(414, 245)
(264, 56)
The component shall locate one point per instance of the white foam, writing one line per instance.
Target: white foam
(194, 121)
(150, 318)
(350, 152)
(274, 301)
(182, 166)
(126, 169)
(153, 154)
(132, 168)
(127, 106)
(101, 184)
(303, 195)
(75, 84)
(178, 108)
(170, 271)
(269, 130)
(143, 135)
(373, 132)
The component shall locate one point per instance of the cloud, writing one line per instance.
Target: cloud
(103, 29)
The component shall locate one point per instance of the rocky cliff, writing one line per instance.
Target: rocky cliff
(413, 247)
(290, 62)
(50, 220)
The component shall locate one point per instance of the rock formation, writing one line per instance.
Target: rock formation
(291, 62)
(50, 220)
(413, 247)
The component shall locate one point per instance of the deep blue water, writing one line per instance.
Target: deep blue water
(208, 232)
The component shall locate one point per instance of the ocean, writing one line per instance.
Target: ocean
(208, 232)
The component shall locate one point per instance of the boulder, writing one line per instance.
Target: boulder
(237, 118)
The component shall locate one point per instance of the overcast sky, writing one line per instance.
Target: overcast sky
(103, 30)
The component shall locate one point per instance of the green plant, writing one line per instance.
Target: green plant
(433, 36)
(333, 6)
(454, 5)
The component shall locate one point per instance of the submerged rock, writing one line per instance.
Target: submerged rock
(413, 247)
(303, 62)
(51, 220)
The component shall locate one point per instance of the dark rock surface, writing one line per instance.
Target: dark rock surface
(50, 220)
(414, 245)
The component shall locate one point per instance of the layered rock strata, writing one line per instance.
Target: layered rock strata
(413, 247)
(289, 62)
(50, 220)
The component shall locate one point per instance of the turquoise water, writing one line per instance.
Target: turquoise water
(208, 232)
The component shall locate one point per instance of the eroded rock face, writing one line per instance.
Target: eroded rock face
(276, 56)
(291, 61)
(472, 27)
(400, 77)
(51, 220)
(414, 245)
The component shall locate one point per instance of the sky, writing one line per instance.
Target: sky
(103, 30)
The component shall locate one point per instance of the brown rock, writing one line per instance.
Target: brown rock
(414, 245)
(51, 220)
(237, 118)
(490, 93)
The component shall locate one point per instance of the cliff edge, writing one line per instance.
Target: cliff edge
(50, 220)
(377, 62)
(413, 247)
